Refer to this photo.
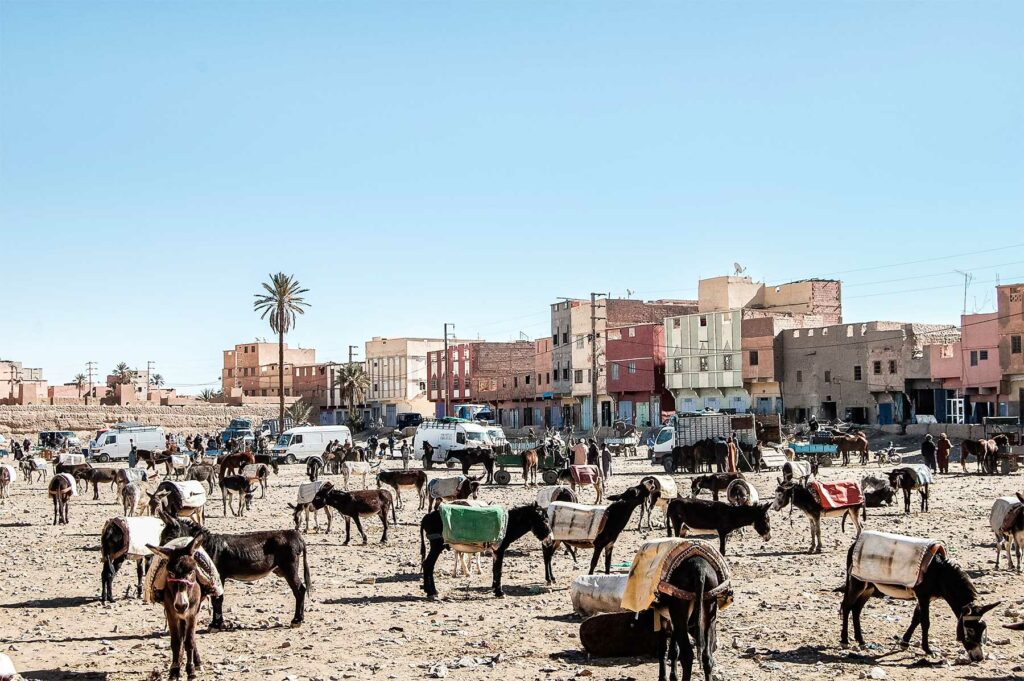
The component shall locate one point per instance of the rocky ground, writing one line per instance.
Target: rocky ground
(367, 618)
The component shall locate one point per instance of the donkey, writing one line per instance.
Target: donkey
(853, 442)
(30, 465)
(61, 489)
(232, 486)
(471, 457)
(355, 505)
(906, 480)
(182, 596)
(985, 450)
(260, 475)
(716, 515)
(203, 472)
(802, 498)
(531, 459)
(233, 463)
(400, 480)
(715, 482)
(464, 489)
(114, 546)
(691, 613)
(616, 518)
(355, 469)
(97, 476)
(314, 467)
(1007, 523)
(133, 498)
(6, 478)
(941, 579)
(658, 492)
(522, 519)
(249, 557)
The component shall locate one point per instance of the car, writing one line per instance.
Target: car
(408, 419)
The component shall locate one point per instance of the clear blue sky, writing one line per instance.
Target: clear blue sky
(416, 163)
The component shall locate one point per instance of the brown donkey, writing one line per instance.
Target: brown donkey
(182, 596)
(61, 489)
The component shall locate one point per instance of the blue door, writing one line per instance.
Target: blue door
(885, 414)
(626, 411)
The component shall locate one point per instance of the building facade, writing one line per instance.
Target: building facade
(250, 370)
(1010, 329)
(398, 374)
(636, 374)
(703, 362)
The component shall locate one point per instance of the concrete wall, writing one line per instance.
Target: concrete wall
(85, 420)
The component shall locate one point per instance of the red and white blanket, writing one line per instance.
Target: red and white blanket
(585, 475)
(836, 495)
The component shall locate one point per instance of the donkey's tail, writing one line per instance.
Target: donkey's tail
(698, 603)
(305, 570)
(423, 544)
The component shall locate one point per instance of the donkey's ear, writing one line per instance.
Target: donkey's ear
(159, 551)
(980, 611)
(1020, 497)
(195, 545)
(1016, 626)
(166, 517)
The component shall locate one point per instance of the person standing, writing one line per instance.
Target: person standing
(405, 455)
(733, 455)
(391, 444)
(606, 462)
(133, 454)
(593, 454)
(928, 452)
(579, 453)
(942, 452)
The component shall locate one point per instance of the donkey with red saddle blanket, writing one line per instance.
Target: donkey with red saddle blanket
(821, 500)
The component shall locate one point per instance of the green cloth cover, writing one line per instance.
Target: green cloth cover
(469, 525)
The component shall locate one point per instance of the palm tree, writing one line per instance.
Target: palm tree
(282, 300)
(209, 395)
(299, 412)
(122, 373)
(353, 382)
(79, 382)
(156, 380)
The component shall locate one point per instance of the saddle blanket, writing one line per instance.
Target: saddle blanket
(252, 470)
(191, 492)
(700, 549)
(474, 525)
(39, 463)
(71, 459)
(156, 576)
(585, 475)
(1002, 508)
(180, 461)
(124, 476)
(873, 483)
(307, 491)
(445, 488)
(921, 472)
(794, 470)
(836, 495)
(594, 594)
(882, 558)
(138, 531)
(645, 574)
(71, 481)
(357, 467)
(546, 494)
(741, 492)
(575, 523)
(668, 492)
(11, 471)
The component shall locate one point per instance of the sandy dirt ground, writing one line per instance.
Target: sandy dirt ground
(367, 617)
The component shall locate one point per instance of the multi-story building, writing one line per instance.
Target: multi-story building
(636, 373)
(970, 372)
(762, 355)
(250, 370)
(20, 384)
(875, 372)
(399, 374)
(704, 362)
(815, 297)
(1010, 329)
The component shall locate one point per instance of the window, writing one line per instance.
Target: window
(579, 342)
(810, 333)
(455, 382)
(828, 376)
(876, 368)
(297, 440)
(433, 383)
(578, 376)
(946, 352)
(799, 376)
(754, 358)
(727, 362)
(1015, 344)
(892, 366)
(677, 366)
(554, 339)
(515, 381)
(632, 368)
(547, 378)
(615, 371)
(858, 373)
(703, 321)
(632, 332)
(974, 358)
(703, 363)
(983, 355)
(565, 337)
(565, 374)
(796, 333)
(677, 322)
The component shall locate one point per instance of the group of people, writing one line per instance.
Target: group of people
(936, 454)
(585, 452)
(19, 450)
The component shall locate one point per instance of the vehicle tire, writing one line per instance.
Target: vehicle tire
(502, 477)
(290, 459)
(895, 459)
(451, 464)
(668, 464)
(103, 458)
(549, 476)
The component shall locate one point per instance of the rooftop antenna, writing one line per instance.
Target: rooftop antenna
(629, 293)
(523, 336)
(968, 277)
(740, 269)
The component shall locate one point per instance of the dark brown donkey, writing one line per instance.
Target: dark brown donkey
(249, 557)
(615, 520)
(97, 476)
(355, 505)
(716, 483)
(716, 515)
(182, 596)
(906, 480)
(60, 489)
(404, 479)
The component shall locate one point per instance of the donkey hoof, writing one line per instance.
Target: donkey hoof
(499, 594)
(296, 623)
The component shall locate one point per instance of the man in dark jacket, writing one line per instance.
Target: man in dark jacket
(928, 452)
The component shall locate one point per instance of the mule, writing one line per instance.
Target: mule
(249, 557)
(521, 520)
(355, 505)
(986, 451)
(718, 516)
(941, 579)
(851, 443)
(399, 480)
(182, 596)
(472, 457)
(801, 496)
(60, 490)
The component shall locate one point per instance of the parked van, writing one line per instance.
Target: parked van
(116, 443)
(298, 444)
(453, 434)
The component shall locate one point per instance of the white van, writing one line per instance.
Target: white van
(115, 444)
(451, 434)
(298, 444)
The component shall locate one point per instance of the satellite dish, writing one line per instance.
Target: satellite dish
(740, 269)
(629, 293)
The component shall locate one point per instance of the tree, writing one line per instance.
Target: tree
(299, 412)
(353, 382)
(79, 382)
(282, 302)
(209, 395)
(156, 380)
(122, 373)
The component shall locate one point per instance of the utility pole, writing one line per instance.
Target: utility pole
(967, 282)
(593, 358)
(446, 373)
(351, 351)
(90, 368)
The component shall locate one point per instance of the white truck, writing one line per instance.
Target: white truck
(302, 442)
(685, 429)
(116, 443)
(453, 434)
